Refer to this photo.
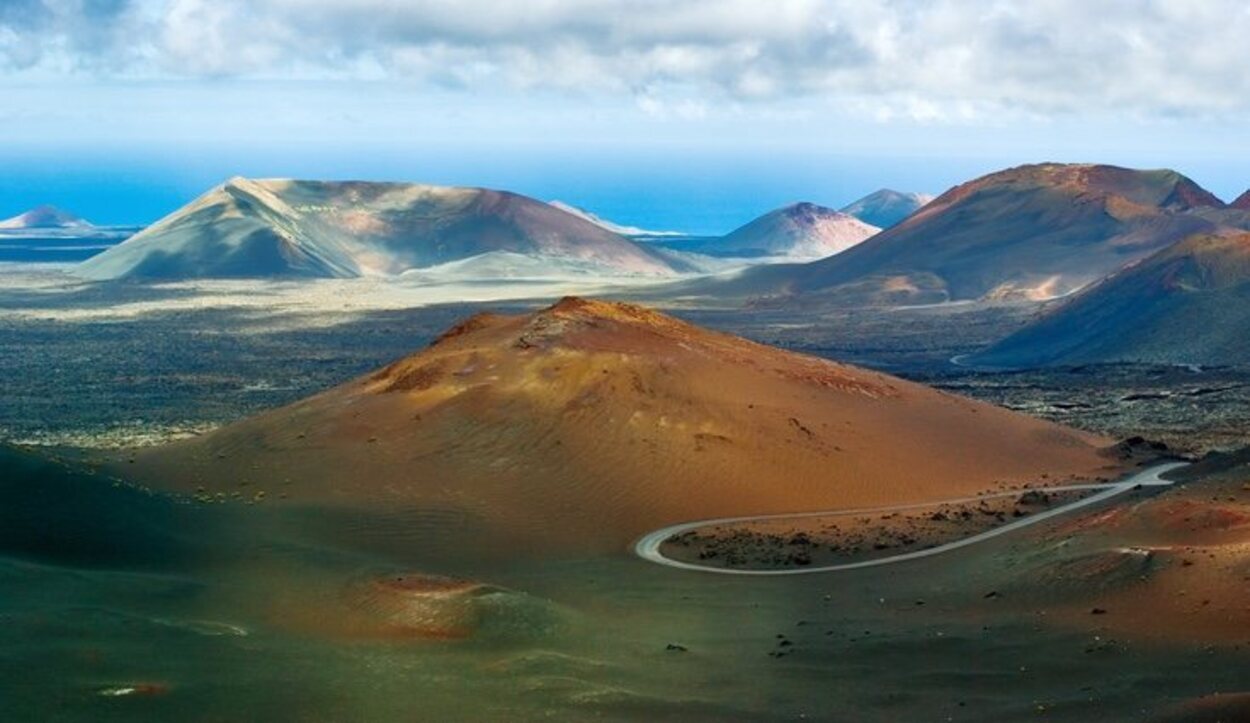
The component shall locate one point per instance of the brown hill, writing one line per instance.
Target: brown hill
(1242, 203)
(1035, 232)
(584, 425)
(1189, 303)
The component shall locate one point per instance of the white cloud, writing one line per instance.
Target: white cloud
(927, 61)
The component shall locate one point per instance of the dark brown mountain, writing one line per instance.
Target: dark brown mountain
(1188, 304)
(1033, 232)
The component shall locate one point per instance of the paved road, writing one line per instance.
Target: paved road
(648, 547)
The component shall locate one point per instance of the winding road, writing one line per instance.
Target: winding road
(648, 546)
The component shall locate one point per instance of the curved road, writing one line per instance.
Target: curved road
(648, 547)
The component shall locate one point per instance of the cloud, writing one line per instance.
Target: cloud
(924, 60)
(66, 35)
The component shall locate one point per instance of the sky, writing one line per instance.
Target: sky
(687, 114)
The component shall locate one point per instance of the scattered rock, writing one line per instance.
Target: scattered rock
(136, 689)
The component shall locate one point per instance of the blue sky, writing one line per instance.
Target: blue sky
(693, 114)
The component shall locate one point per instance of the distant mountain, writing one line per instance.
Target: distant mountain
(800, 231)
(1242, 203)
(1033, 232)
(44, 217)
(613, 227)
(886, 208)
(1189, 303)
(289, 228)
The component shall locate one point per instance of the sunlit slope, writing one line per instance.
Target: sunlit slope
(583, 425)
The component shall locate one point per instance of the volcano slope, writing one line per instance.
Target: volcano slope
(581, 426)
(1171, 567)
(1034, 232)
(1189, 303)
